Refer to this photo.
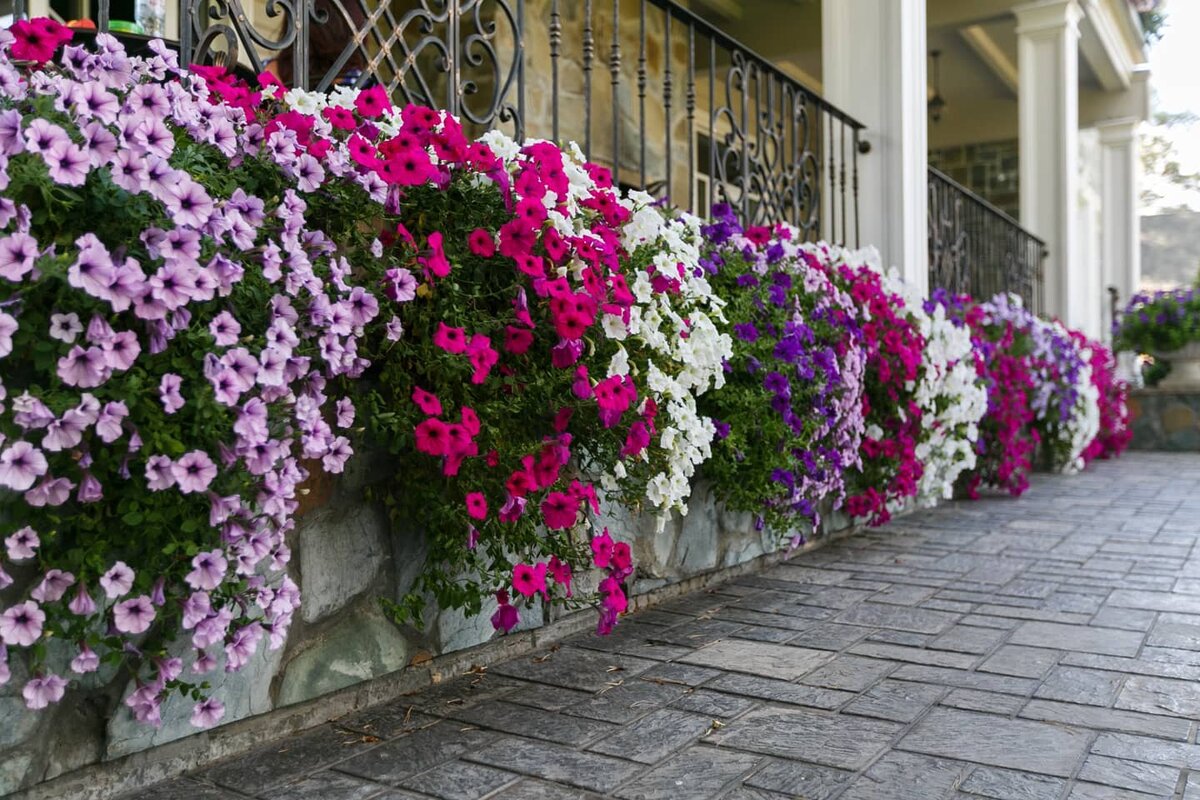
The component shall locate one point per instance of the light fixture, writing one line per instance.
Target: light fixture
(937, 103)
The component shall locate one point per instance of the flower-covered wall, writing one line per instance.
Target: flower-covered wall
(300, 390)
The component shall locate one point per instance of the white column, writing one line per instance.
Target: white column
(873, 54)
(1121, 237)
(1048, 67)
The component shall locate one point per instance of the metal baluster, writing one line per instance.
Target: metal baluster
(832, 183)
(555, 42)
(185, 31)
(691, 116)
(842, 167)
(745, 144)
(589, 46)
(20, 12)
(712, 126)
(102, 15)
(520, 56)
(453, 42)
(667, 99)
(614, 67)
(641, 83)
(854, 155)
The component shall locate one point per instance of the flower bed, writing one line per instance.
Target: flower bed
(210, 292)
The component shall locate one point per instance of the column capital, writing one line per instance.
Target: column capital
(1048, 17)
(1118, 131)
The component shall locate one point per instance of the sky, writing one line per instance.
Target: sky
(1174, 61)
(1175, 76)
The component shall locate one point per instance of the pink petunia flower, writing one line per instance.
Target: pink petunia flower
(559, 510)
(426, 401)
(530, 580)
(452, 340)
(477, 505)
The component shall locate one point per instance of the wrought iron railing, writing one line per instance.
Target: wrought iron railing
(673, 104)
(977, 249)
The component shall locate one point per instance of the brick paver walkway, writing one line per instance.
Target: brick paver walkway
(1016, 650)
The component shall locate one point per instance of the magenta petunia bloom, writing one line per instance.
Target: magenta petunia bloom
(477, 505)
(530, 580)
(134, 615)
(602, 548)
(559, 510)
(452, 340)
(426, 401)
(194, 471)
(42, 691)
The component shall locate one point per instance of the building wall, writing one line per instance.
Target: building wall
(990, 169)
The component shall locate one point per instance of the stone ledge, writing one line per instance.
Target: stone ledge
(129, 773)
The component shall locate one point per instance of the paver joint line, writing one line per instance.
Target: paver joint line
(1042, 649)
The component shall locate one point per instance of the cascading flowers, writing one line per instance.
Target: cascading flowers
(890, 470)
(1114, 433)
(789, 420)
(173, 328)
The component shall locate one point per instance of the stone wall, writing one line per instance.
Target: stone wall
(991, 170)
(1164, 419)
(346, 557)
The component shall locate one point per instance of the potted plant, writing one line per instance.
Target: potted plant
(1166, 325)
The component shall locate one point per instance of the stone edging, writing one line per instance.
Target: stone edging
(129, 773)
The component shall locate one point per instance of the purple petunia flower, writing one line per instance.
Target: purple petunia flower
(134, 615)
(194, 471)
(20, 465)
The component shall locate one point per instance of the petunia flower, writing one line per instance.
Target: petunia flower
(43, 691)
(207, 713)
(134, 615)
(117, 581)
(21, 624)
(87, 661)
(168, 392)
(426, 401)
(559, 510)
(194, 471)
(477, 505)
(20, 465)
